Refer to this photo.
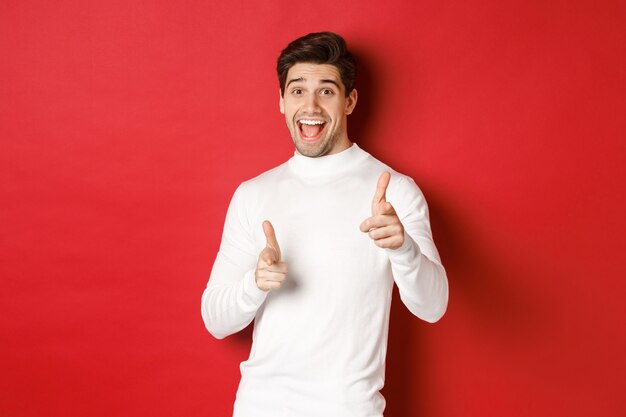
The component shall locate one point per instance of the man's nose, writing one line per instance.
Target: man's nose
(311, 103)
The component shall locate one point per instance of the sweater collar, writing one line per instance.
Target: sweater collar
(328, 165)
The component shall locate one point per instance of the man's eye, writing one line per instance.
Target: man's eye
(326, 92)
(297, 91)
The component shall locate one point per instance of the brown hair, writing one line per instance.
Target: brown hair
(318, 48)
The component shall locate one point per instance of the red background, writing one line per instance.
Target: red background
(125, 127)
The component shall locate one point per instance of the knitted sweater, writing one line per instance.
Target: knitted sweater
(319, 342)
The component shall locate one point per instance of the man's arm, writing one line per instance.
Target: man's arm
(406, 237)
(240, 280)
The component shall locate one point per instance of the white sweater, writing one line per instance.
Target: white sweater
(319, 342)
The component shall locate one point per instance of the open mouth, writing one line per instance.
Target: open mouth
(310, 129)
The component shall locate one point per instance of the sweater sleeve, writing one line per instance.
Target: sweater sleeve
(416, 267)
(231, 298)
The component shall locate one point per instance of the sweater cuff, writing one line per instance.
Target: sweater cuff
(253, 294)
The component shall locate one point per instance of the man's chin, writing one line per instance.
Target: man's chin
(311, 149)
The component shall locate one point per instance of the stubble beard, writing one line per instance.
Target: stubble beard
(313, 150)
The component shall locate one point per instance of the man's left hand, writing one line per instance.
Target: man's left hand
(384, 227)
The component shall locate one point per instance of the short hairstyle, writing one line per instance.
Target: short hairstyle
(318, 48)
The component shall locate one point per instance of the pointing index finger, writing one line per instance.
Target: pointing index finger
(270, 236)
(381, 188)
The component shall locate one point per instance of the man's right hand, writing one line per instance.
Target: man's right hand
(270, 271)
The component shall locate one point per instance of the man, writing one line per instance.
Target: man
(311, 250)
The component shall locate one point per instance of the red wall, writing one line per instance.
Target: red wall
(125, 127)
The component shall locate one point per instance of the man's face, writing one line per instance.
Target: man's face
(316, 109)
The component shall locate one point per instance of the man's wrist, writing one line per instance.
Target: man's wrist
(407, 246)
(251, 289)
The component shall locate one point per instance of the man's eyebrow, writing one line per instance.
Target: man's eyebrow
(295, 80)
(331, 82)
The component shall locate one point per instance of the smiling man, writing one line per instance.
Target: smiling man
(311, 250)
(315, 104)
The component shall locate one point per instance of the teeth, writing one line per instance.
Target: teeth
(311, 122)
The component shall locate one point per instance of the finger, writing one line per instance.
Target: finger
(385, 232)
(280, 267)
(269, 256)
(270, 237)
(381, 188)
(380, 220)
(364, 227)
(393, 242)
(270, 285)
(275, 266)
(384, 208)
(272, 276)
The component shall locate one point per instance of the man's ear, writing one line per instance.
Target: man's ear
(281, 103)
(351, 101)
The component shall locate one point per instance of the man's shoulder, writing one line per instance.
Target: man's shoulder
(376, 167)
(264, 179)
(270, 175)
(401, 187)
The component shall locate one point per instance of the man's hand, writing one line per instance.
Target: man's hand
(384, 227)
(270, 271)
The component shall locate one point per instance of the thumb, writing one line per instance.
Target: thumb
(381, 191)
(270, 237)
